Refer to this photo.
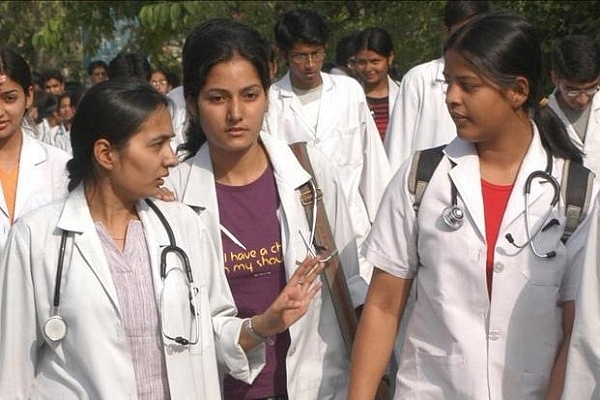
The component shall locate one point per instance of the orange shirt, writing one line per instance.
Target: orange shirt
(9, 188)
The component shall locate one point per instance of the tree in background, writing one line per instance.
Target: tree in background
(66, 34)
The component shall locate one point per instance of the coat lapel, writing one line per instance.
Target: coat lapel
(76, 218)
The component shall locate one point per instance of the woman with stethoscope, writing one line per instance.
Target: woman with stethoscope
(248, 184)
(494, 293)
(108, 294)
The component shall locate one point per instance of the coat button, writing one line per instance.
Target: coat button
(291, 351)
(498, 267)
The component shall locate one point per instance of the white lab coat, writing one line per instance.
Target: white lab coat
(583, 365)
(317, 362)
(591, 145)
(420, 118)
(458, 344)
(347, 134)
(178, 116)
(93, 360)
(42, 178)
(393, 89)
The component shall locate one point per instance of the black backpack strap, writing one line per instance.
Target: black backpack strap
(424, 164)
(576, 187)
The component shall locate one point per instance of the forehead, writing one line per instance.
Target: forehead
(7, 84)
(158, 75)
(368, 54)
(578, 85)
(456, 65)
(52, 82)
(302, 47)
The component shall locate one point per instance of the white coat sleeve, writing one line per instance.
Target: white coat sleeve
(398, 141)
(19, 334)
(583, 365)
(376, 172)
(230, 355)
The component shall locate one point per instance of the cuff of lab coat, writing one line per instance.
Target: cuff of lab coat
(357, 287)
(240, 365)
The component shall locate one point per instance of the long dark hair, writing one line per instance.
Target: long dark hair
(112, 110)
(504, 46)
(209, 44)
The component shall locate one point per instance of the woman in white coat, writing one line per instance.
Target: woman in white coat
(105, 295)
(494, 294)
(32, 173)
(374, 67)
(248, 183)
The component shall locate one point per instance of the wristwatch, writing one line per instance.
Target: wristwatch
(247, 326)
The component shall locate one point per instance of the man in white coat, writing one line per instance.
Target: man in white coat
(420, 118)
(331, 113)
(576, 77)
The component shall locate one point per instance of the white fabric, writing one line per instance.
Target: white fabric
(93, 360)
(42, 178)
(420, 118)
(348, 136)
(317, 362)
(178, 116)
(591, 145)
(458, 344)
(393, 89)
(583, 366)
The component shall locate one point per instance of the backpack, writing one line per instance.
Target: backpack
(576, 185)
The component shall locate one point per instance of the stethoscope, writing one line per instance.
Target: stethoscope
(453, 215)
(55, 327)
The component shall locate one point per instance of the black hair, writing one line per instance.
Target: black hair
(173, 78)
(459, 11)
(345, 49)
(48, 105)
(576, 58)
(16, 68)
(113, 110)
(51, 74)
(13, 65)
(504, 46)
(131, 65)
(209, 44)
(378, 40)
(301, 26)
(96, 64)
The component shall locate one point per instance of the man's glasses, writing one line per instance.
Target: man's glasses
(578, 92)
(302, 58)
(160, 82)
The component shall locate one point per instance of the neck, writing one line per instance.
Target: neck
(10, 150)
(377, 90)
(109, 209)
(240, 168)
(500, 160)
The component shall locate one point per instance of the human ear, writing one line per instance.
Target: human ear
(104, 153)
(29, 93)
(519, 93)
(554, 78)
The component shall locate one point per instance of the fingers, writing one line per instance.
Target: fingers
(165, 194)
(308, 271)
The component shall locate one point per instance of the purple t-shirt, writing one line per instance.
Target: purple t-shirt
(255, 274)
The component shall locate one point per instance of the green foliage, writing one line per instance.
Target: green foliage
(65, 34)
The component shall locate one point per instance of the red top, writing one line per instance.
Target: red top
(495, 198)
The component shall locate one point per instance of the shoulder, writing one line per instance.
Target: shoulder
(424, 70)
(344, 82)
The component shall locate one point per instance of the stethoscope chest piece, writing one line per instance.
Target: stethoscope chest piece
(454, 217)
(55, 328)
